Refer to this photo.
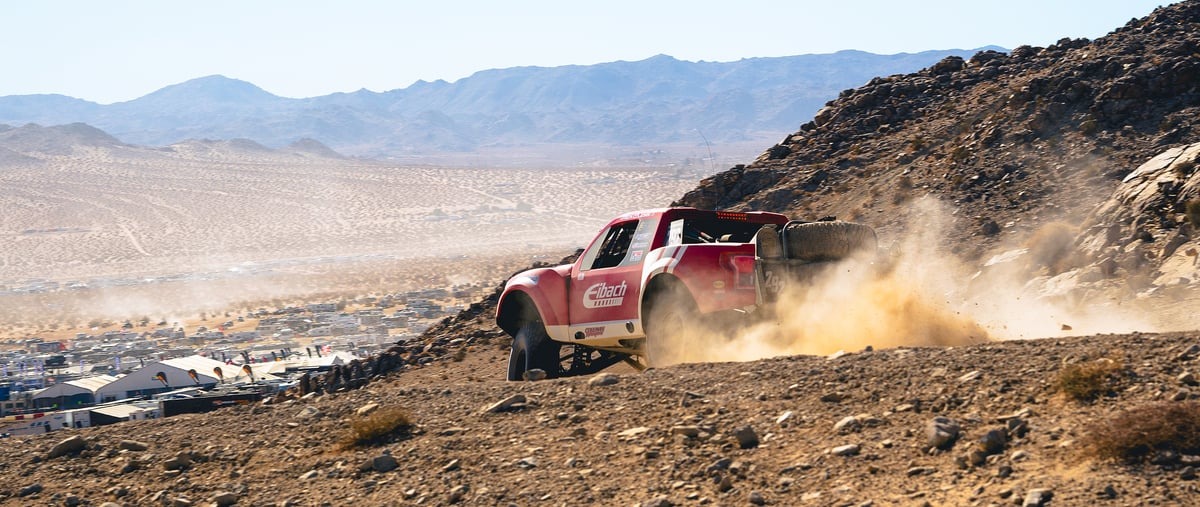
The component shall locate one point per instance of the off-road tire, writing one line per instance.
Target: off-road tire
(825, 241)
(533, 349)
(671, 312)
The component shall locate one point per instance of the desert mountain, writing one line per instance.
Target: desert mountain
(653, 101)
(32, 143)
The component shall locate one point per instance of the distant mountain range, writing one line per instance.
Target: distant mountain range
(652, 101)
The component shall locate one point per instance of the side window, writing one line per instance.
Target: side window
(615, 246)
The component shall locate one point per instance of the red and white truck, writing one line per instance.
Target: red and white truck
(648, 273)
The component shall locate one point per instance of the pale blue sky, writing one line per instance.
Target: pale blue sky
(116, 50)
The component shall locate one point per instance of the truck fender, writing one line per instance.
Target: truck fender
(543, 291)
(658, 262)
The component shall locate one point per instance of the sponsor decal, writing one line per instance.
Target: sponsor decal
(593, 331)
(603, 295)
(636, 255)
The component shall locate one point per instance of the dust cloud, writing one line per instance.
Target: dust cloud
(913, 293)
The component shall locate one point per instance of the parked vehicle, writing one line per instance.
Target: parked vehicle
(649, 273)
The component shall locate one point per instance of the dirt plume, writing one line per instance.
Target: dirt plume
(916, 293)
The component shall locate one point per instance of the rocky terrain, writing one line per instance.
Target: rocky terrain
(1067, 171)
(847, 429)
(1010, 142)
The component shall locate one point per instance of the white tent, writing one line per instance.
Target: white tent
(178, 374)
(72, 393)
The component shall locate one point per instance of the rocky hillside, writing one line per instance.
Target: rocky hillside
(1009, 143)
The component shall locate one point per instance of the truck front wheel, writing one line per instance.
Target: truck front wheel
(533, 349)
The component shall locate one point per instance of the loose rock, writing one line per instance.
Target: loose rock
(941, 432)
(69, 446)
(504, 405)
(604, 379)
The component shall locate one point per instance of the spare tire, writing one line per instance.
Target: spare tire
(826, 241)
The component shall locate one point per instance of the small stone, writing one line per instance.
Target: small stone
(970, 376)
(1188, 473)
(633, 432)
(505, 404)
(457, 494)
(845, 450)
(178, 462)
(832, 397)
(30, 490)
(534, 375)
(746, 437)
(132, 445)
(941, 432)
(725, 484)
(1187, 378)
(527, 463)
(720, 465)
(1108, 492)
(366, 409)
(977, 457)
(784, 417)
(1180, 395)
(687, 431)
(914, 471)
(604, 379)
(661, 501)
(453, 465)
(69, 446)
(1037, 497)
(384, 463)
(756, 498)
(308, 413)
(993, 441)
(1019, 455)
(847, 424)
(1004, 471)
(224, 499)
(310, 475)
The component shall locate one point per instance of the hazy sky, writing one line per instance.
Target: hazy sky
(115, 50)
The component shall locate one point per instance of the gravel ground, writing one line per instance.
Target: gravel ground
(803, 430)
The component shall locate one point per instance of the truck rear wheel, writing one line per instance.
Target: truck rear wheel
(532, 349)
(671, 312)
(823, 241)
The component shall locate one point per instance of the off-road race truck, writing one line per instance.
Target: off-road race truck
(649, 273)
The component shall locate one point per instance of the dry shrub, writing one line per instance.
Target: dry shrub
(1184, 168)
(1051, 246)
(1138, 433)
(1087, 381)
(1192, 208)
(378, 427)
